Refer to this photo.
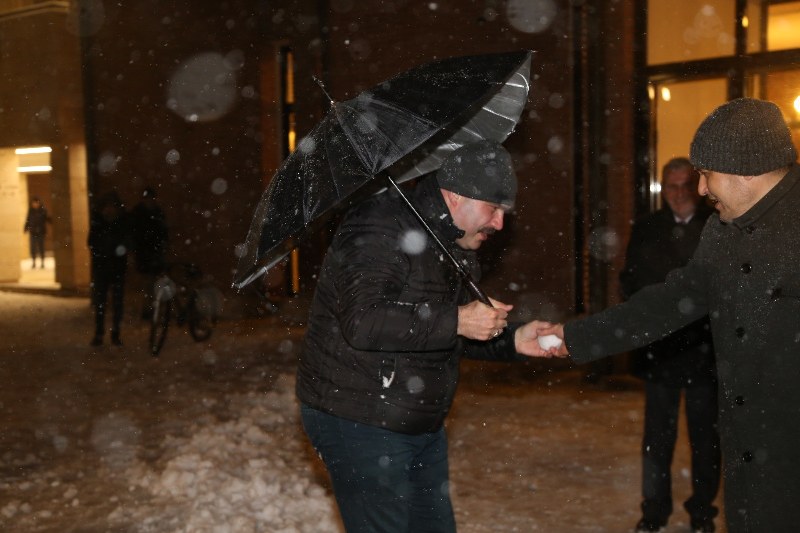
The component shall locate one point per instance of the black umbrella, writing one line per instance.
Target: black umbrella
(404, 126)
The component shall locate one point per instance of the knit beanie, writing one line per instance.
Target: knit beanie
(744, 137)
(483, 171)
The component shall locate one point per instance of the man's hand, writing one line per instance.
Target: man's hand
(529, 340)
(480, 322)
(556, 330)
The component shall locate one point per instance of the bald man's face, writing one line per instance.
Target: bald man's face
(679, 190)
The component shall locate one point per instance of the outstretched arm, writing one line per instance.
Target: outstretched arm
(529, 340)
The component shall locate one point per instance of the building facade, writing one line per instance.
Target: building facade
(203, 101)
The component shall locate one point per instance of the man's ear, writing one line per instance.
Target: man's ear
(450, 198)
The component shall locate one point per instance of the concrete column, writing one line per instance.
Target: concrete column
(12, 217)
(70, 216)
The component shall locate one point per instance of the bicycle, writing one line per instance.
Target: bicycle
(196, 302)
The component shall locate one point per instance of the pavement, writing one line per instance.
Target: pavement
(533, 446)
(38, 280)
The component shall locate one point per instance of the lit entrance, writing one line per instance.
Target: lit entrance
(58, 181)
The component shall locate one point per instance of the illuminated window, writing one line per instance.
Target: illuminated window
(686, 30)
(772, 26)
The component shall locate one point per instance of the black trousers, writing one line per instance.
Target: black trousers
(37, 247)
(105, 280)
(660, 433)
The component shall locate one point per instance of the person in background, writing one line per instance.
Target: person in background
(36, 228)
(150, 239)
(744, 276)
(683, 362)
(109, 243)
(389, 322)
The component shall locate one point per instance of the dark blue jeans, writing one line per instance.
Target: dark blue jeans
(384, 482)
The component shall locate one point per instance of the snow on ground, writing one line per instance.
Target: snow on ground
(246, 474)
(206, 438)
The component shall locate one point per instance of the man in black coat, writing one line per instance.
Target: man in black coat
(36, 227)
(744, 275)
(150, 237)
(109, 243)
(388, 324)
(683, 362)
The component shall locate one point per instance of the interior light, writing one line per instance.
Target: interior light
(651, 92)
(655, 187)
(797, 104)
(745, 22)
(665, 94)
(34, 150)
(35, 168)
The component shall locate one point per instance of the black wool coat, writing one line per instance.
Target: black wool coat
(381, 345)
(746, 276)
(658, 245)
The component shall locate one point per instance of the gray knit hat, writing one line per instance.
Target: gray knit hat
(483, 171)
(744, 137)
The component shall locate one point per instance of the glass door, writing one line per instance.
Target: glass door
(677, 110)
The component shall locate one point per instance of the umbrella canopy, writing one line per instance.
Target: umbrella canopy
(405, 126)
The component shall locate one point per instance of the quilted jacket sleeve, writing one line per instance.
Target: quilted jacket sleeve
(387, 301)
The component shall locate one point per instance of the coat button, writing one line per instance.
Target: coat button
(747, 457)
(746, 268)
(739, 400)
(740, 332)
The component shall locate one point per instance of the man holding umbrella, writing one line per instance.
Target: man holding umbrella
(388, 325)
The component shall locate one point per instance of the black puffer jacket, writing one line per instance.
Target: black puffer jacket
(381, 346)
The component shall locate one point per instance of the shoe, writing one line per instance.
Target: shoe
(115, 340)
(703, 525)
(97, 340)
(648, 526)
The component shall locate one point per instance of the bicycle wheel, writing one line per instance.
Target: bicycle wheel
(158, 327)
(202, 316)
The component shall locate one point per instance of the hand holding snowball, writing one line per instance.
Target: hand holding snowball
(540, 339)
(553, 336)
(549, 341)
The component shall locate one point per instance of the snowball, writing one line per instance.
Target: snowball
(549, 341)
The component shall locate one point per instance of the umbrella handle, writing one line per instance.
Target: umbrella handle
(476, 291)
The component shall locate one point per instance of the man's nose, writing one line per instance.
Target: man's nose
(702, 186)
(497, 220)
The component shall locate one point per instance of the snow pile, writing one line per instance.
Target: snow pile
(247, 474)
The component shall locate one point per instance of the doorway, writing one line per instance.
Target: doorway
(40, 272)
(678, 109)
(700, 55)
(58, 177)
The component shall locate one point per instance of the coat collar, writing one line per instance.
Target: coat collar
(429, 201)
(775, 195)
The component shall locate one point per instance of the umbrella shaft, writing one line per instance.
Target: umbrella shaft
(468, 281)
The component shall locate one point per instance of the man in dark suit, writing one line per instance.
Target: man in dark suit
(683, 362)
